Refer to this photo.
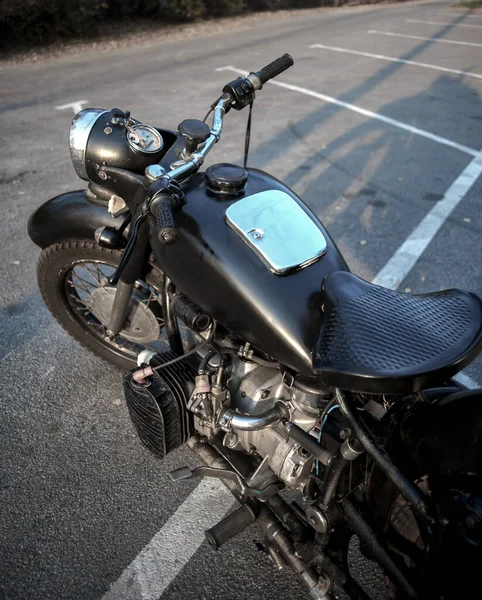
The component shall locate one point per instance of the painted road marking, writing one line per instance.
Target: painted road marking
(404, 259)
(364, 112)
(399, 60)
(425, 39)
(75, 106)
(442, 23)
(151, 572)
(466, 380)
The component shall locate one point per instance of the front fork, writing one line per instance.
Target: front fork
(134, 270)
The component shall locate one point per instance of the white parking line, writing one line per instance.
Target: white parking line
(467, 381)
(398, 60)
(151, 572)
(425, 39)
(404, 259)
(366, 113)
(442, 23)
(76, 106)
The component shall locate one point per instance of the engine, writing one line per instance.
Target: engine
(242, 408)
(257, 390)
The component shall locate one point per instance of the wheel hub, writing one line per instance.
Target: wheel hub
(141, 325)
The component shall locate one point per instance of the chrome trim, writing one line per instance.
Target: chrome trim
(219, 112)
(278, 230)
(230, 419)
(79, 135)
(194, 162)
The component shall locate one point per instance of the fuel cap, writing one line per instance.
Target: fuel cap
(225, 178)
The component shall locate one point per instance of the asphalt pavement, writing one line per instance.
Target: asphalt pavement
(372, 129)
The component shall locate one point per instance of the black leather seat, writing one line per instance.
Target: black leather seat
(379, 341)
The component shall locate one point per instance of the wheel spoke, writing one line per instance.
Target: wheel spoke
(80, 301)
(81, 283)
(93, 273)
(81, 309)
(151, 296)
(101, 275)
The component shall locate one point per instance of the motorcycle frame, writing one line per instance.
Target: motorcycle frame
(74, 215)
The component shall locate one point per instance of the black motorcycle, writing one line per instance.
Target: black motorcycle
(246, 337)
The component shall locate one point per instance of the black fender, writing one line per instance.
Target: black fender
(437, 438)
(444, 436)
(68, 216)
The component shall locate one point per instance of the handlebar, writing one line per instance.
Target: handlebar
(275, 68)
(162, 209)
(237, 94)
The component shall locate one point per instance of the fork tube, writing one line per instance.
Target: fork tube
(133, 271)
(120, 308)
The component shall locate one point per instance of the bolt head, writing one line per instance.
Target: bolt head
(256, 234)
(169, 237)
(154, 172)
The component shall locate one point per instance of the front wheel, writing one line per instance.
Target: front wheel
(73, 281)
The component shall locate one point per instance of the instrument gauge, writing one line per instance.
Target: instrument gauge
(144, 139)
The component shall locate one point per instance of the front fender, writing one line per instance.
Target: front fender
(68, 216)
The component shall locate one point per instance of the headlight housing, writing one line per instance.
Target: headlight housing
(98, 139)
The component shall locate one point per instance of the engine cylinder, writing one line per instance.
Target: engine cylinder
(158, 408)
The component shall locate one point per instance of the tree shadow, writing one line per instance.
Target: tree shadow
(276, 146)
(375, 181)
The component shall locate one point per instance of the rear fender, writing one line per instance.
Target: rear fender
(442, 437)
(68, 216)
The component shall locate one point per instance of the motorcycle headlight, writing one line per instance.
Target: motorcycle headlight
(98, 139)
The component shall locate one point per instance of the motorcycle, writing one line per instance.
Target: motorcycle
(245, 336)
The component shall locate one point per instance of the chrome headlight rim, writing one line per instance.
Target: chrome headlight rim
(80, 130)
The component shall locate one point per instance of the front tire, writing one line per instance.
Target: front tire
(72, 278)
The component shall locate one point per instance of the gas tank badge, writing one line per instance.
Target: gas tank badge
(278, 230)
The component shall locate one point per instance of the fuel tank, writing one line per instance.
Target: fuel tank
(214, 266)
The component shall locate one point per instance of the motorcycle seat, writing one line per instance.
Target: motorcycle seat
(380, 341)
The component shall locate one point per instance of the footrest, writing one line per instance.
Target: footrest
(180, 474)
(230, 526)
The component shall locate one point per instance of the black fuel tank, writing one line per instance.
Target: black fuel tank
(280, 314)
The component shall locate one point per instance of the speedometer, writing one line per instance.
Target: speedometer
(144, 139)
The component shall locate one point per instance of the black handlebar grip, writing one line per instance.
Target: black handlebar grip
(275, 68)
(166, 225)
